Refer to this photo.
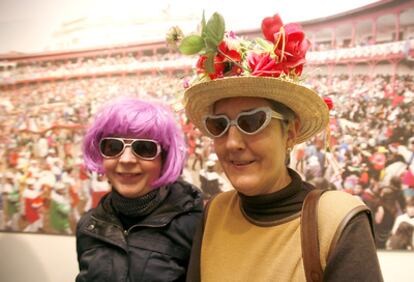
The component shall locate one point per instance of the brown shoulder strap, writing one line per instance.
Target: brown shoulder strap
(205, 213)
(309, 237)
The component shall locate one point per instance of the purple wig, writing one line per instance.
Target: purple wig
(134, 118)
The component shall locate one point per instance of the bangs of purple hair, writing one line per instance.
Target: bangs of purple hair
(134, 118)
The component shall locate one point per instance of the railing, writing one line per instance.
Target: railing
(37, 73)
(109, 66)
(377, 51)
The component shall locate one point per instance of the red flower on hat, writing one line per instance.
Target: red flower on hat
(281, 53)
(290, 43)
(229, 58)
(264, 65)
(218, 66)
(296, 47)
(223, 62)
(328, 101)
(225, 52)
(271, 26)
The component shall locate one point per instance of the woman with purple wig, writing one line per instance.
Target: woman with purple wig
(143, 229)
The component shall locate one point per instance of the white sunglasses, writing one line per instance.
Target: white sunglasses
(249, 123)
(147, 149)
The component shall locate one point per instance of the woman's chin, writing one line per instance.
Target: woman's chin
(245, 185)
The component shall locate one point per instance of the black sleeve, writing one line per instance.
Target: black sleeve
(80, 246)
(354, 257)
(193, 271)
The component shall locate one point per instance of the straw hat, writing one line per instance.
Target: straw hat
(270, 68)
(311, 110)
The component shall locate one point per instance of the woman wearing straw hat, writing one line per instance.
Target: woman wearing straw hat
(143, 229)
(249, 98)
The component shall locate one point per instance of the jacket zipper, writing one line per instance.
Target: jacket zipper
(127, 231)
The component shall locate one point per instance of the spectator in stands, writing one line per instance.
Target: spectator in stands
(60, 209)
(255, 116)
(402, 239)
(99, 188)
(210, 181)
(143, 229)
(12, 202)
(387, 210)
(408, 175)
(198, 153)
(32, 199)
(407, 216)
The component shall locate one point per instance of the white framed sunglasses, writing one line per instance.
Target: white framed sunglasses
(249, 123)
(146, 149)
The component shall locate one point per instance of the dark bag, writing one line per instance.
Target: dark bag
(309, 237)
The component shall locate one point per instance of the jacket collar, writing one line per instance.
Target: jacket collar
(182, 197)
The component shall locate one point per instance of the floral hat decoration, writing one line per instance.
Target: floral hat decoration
(269, 67)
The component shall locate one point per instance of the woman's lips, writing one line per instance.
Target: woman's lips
(241, 164)
(128, 176)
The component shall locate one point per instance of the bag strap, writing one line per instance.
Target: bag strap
(309, 237)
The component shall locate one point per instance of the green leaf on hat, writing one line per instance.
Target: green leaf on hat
(191, 44)
(203, 25)
(266, 45)
(214, 30)
(211, 45)
(209, 63)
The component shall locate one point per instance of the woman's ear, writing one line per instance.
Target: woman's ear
(293, 131)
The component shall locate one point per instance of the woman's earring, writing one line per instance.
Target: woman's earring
(288, 151)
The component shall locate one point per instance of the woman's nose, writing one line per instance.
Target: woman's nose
(235, 139)
(127, 156)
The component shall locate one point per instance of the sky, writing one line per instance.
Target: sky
(28, 25)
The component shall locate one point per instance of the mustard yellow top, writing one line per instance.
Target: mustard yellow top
(235, 249)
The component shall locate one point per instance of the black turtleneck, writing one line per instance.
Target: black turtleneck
(276, 206)
(131, 210)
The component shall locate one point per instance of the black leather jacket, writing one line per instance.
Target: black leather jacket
(155, 249)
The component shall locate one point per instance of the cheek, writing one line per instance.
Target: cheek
(157, 171)
(153, 168)
(108, 165)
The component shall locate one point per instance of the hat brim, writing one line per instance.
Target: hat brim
(311, 110)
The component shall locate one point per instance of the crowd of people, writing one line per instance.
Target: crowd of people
(131, 62)
(367, 150)
(362, 51)
(371, 149)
